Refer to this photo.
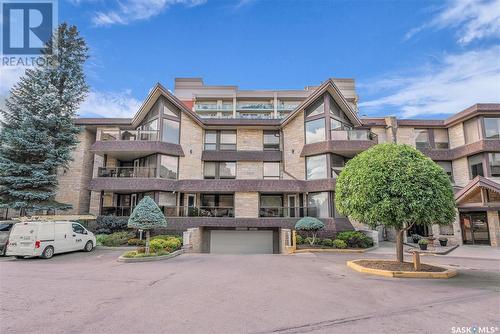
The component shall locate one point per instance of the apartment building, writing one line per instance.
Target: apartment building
(237, 167)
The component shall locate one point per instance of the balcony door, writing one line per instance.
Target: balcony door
(191, 203)
(475, 228)
(292, 206)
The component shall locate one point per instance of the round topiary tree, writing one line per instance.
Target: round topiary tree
(146, 216)
(310, 224)
(395, 186)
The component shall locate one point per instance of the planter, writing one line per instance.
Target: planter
(443, 243)
(423, 246)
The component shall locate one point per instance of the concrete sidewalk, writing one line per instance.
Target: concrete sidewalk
(464, 251)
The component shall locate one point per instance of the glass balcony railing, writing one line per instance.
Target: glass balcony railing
(288, 106)
(127, 172)
(255, 116)
(255, 106)
(353, 135)
(287, 212)
(213, 107)
(175, 211)
(131, 135)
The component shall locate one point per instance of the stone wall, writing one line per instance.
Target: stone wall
(246, 204)
(249, 140)
(293, 141)
(190, 166)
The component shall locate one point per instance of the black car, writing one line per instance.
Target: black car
(5, 228)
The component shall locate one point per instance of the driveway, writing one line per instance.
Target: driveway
(198, 293)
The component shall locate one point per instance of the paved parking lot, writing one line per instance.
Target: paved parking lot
(197, 293)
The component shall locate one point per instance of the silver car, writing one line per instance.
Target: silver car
(5, 228)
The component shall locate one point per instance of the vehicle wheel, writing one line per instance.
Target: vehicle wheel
(48, 252)
(89, 246)
(19, 257)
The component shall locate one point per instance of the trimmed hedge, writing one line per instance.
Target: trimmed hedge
(355, 239)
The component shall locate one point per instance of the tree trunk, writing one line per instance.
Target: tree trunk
(147, 242)
(399, 245)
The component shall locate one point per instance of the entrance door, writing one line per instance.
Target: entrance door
(191, 203)
(291, 206)
(475, 228)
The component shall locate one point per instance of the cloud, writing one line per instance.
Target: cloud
(129, 11)
(10, 75)
(475, 19)
(109, 104)
(448, 85)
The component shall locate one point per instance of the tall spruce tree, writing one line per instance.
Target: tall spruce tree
(38, 133)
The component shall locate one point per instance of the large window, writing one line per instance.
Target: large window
(471, 131)
(217, 205)
(337, 164)
(422, 138)
(219, 170)
(317, 108)
(492, 128)
(317, 204)
(446, 165)
(316, 167)
(476, 165)
(170, 131)
(271, 170)
(441, 138)
(220, 140)
(168, 167)
(494, 159)
(271, 201)
(315, 131)
(271, 140)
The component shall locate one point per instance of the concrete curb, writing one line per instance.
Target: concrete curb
(448, 273)
(334, 250)
(150, 259)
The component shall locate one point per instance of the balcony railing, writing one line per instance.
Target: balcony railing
(287, 106)
(131, 135)
(255, 116)
(213, 107)
(175, 211)
(287, 212)
(118, 211)
(141, 172)
(255, 106)
(353, 135)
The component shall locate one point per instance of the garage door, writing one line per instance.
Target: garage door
(241, 242)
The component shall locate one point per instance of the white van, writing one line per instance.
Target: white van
(46, 238)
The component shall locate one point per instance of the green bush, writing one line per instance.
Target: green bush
(99, 238)
(172, 244)
(157, 245)
(423, 242)
(116, 239)
(355, 239)
(136, 242)
(341, 244)
(308, 240)
(130, 254)
(327, 242)
(166, 237)
(299, 239)
(110, 224)
(317, 241)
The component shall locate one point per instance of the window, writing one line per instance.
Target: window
(170, 131)
(271, 140)
(316, 167)
(337, 163)
(271, 170)
(494, 159)
(77, 228)
(271, 201)
(315, 131)
(219, 170)
(441, 139)
(476, 165)
(220, 140)
(317, 204)
(169, 110)
(446, 229)
(422, 138)
(149, 131)
(168, 167)
(492, 128)
(217, 205)
(167, 199)
(446, 165)
(317, 108)
(471, 131)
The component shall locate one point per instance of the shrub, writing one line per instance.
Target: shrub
(415, 238)
(157, 245)
(299, 239)
(136, 242)
(423, 242)
(327, 242)
(99, 238)
(110, 224)
(355, 239)
(317, 241)
(341, 244)
(310, 224)
(308, 240)
(172, 244)
(166, 237)
(116, 239)
(130, 254)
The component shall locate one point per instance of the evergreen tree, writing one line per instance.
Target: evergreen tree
(146, 216)
(38, 134)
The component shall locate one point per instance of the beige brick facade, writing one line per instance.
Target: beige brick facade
(190, 166)
(494, 228)
(381, 134)
(249, 140)
(461, 172)
(456, 135)
(246, 204)
(293, 141)
(406, 135)
(249, 170)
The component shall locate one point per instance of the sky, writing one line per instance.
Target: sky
(411, 59)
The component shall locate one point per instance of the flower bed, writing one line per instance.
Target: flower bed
(343, 240)
(127, 238)
(158, 246)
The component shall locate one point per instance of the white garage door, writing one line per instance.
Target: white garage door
(241, 242)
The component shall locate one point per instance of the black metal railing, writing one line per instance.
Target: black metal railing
(288, 212)
(142, 172)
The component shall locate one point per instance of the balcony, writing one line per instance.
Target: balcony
(347, 143)
(254, 116)
(127, 172)
(129, 135)
(210, 107)
(118, 211)
(288, 106)
(353, 135)
(255, 106)
(287, 212)
(175, 211)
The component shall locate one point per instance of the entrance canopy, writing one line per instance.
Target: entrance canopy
(480, 194)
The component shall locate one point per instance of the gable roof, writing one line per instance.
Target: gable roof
(477, 183)
(330, 87)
